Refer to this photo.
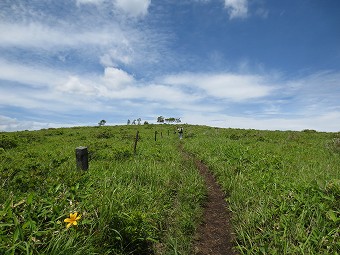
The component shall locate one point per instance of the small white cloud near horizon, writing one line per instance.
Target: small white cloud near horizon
(328, 122)
(8, 124)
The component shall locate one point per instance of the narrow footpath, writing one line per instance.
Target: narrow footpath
(214, 235)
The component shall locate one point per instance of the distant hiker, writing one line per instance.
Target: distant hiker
(180, 132)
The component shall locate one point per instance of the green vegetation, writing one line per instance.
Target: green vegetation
(283, 189)
(129, 204)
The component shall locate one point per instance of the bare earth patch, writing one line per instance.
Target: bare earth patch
(214, 235)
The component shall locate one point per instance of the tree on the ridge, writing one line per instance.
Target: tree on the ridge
(160, 119)
(102, 122)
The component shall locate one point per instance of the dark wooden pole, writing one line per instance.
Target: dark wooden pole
(82, 157)
(155, 135)
(135, 148)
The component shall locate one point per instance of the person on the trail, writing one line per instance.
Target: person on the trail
(180, 132)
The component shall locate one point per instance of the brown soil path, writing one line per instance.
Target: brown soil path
(214, 235)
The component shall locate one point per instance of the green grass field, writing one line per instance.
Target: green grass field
(283, 189)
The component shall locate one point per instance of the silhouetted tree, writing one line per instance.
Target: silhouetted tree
(102, 122)
(160, 119)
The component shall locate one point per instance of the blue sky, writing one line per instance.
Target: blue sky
(227, 63)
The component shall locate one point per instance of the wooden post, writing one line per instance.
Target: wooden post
(168, 132)
(155, 135)
(162, 134)
(134, 149)
(82, 157)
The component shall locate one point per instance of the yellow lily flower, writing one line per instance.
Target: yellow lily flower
(72, 220)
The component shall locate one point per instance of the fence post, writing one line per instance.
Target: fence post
(134, 150)
(155, 135)
(82, 157)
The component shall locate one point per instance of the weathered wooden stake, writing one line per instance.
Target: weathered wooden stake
(162, 134)
(155, 135)
(82, 157)
(168, 132)
(134, 150)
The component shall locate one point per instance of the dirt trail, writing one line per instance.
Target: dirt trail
(214, 235)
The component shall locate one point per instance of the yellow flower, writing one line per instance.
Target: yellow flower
(72, 220)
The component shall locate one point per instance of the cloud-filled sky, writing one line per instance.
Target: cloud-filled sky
(227, 63)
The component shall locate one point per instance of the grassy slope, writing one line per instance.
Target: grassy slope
(130, 204)
(283, 190)
(284, 187)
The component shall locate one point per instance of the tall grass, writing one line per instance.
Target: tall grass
(283, 187)
(129, 204)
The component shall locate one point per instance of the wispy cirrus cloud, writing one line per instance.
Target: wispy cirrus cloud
(135, 8)
(102, 35)
(40, 36)
(230, 86)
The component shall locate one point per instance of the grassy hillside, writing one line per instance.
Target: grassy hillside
(283, 189)
(129, 204)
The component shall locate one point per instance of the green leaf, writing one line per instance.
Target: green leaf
(332, 216)
(29, 199)
(16, 234)
(6, 224)
(58, 187)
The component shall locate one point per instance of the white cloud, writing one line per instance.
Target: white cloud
(11, 124)
(236, 8)
(36, 76)
(43, 36)
(135, 8)
(328, 122)
(117, 56)
(109, 85)
(115, 78)
(76, 86)
(222, 99)
(224, 86)
(95, 2)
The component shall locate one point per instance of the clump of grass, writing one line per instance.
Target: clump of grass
(8, 142)
(334, 145)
